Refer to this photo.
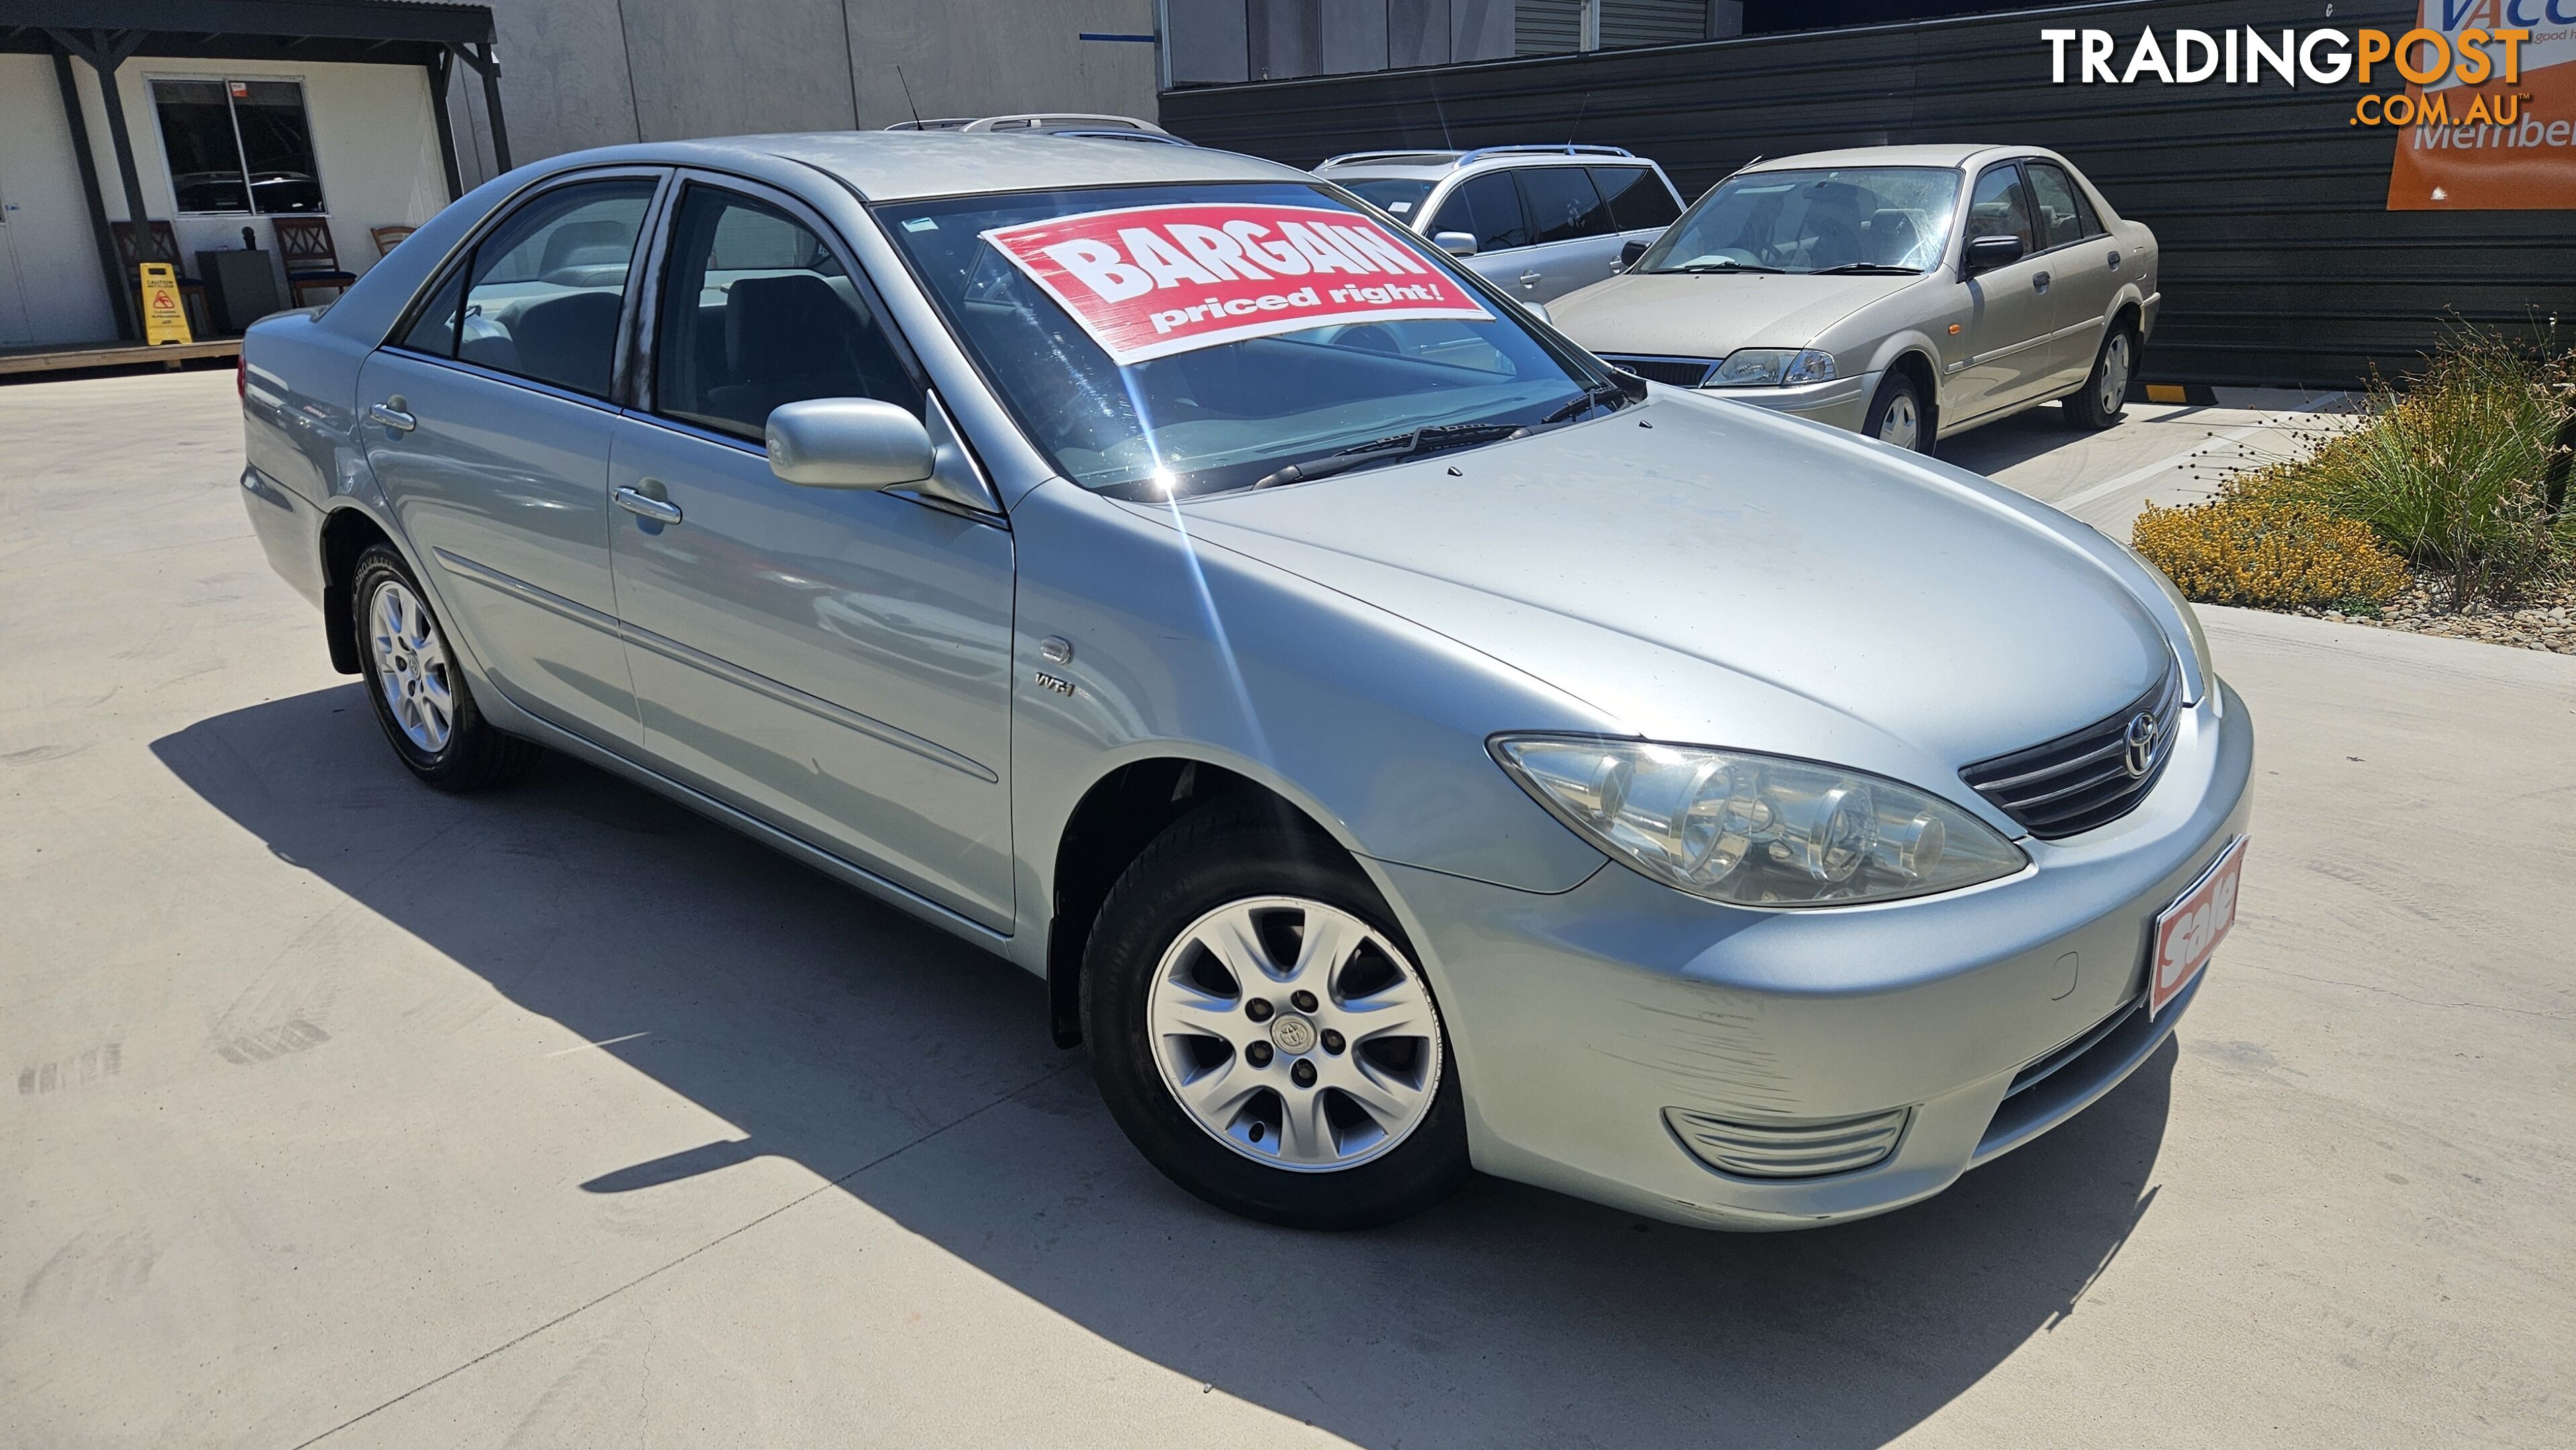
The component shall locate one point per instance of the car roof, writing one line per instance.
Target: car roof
(905, 165)
(1431, 164)
(1942, 155)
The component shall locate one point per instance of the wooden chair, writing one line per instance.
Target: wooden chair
(304, 245)
(192, 292)
(388, 238)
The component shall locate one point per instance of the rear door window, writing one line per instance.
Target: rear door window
(1562, 203)
(1638, 199)
(544, 292)
(1489, 206)
(2065, 216)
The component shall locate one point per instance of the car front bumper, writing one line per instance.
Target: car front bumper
(1985, 1017)
(1840, 403)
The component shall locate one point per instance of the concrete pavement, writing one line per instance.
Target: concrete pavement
(352, 1113)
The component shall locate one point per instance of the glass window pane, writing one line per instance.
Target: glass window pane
(550, 282)
(1397, 195)
(1488, 206)
(1563, 207)
(197, 136)
(277, 143)
(756, 311)
(1996, 208)
(1638, 198)
(434, 330)
(2065, 217)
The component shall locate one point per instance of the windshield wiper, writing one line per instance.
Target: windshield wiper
(1436, 439)
(1869, 269)
(1608, 395)
(1719, 267)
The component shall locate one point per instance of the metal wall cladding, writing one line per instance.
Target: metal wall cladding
(2281, 264)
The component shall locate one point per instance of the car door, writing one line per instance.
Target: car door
(1487, 206)
(2011, 317)
(487, 424)
(836, 662)
(2084, 268)
(1641, 202)
(1571, 241)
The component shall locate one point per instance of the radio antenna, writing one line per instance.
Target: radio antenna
(1577, 128)
(907, 98)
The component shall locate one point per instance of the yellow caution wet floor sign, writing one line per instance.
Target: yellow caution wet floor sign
(164, 320)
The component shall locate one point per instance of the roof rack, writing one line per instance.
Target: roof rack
(1355, 158)
(1157, 138)
(1567, 149)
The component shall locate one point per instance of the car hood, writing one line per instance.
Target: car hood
(1709, 572)
(1711, 315)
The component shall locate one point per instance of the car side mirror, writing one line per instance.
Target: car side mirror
(1985, 254)
(848, 443)
(1456, 244)
(1630, 252)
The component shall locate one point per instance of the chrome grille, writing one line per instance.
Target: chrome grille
(2091, 778)
(1787, 1150)
(1681, 372)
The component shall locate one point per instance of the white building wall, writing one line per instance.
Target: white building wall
(375, 143)
(50, 287)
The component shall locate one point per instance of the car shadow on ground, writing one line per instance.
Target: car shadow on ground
(916, 1072)
(1990, 448)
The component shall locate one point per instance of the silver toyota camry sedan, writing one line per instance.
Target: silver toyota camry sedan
(1403, 744)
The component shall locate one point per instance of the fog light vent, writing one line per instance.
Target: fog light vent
(1788, 1149)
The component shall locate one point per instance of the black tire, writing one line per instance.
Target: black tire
(1221, 854)
(473, 756)
(1899, 398)
(2089, 408)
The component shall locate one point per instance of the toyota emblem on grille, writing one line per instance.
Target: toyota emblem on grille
(2141, 740)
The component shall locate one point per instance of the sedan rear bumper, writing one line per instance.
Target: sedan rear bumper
(1599, 1030)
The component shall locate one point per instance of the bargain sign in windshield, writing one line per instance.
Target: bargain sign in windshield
(1149, 281)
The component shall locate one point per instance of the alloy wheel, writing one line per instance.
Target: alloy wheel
(1295, 1033)
(412, 666)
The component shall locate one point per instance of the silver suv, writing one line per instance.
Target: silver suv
(1537, 221)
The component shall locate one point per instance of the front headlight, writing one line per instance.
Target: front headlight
(1756, 830)
(1772, 367)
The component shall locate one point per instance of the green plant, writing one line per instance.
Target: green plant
(2465, 473)
(2270, 549)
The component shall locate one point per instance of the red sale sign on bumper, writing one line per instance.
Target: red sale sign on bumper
(1149, 281)
(2188, 931)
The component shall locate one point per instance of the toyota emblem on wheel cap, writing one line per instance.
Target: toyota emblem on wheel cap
(2141, 741)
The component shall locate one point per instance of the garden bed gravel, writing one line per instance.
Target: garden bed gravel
(2545, 618)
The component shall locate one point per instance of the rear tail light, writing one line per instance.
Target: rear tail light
(241, 376)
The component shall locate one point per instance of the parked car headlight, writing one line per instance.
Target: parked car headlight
(1756, 830)
(1773, 367)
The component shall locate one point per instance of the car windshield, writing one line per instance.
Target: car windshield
(1155, 340)
(1862, 218)
(1397, 196)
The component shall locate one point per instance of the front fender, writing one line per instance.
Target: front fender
(1373, 725)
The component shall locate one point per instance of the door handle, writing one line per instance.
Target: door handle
(390, 414)
(2039, 283)
(644, 505)
(1532, 279)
